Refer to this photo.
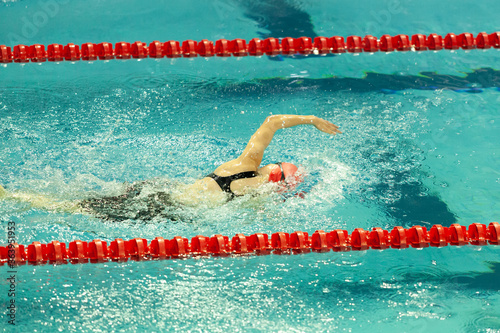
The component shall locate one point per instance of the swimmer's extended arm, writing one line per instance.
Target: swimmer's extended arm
(255, 148)
(40, 201)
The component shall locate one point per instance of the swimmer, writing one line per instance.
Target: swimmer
(238, 177)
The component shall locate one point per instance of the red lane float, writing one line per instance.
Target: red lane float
(256, 47)
(280, 242)
(338, 44)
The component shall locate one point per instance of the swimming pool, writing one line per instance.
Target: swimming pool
(419, 148)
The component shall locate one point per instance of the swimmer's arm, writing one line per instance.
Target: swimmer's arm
(41, 201)
(261, 139)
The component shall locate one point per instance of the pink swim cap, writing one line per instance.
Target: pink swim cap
(286, 175)
(282, 171)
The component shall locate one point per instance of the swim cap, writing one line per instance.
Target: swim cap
(282, 171)
(286, 175)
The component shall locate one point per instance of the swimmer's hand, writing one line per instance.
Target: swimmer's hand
(326, 126)
(3, 192)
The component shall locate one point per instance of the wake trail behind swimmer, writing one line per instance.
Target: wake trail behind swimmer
(162, 198)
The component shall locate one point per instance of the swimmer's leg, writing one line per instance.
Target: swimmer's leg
(41, 201)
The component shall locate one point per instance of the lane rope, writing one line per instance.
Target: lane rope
(239, 47)
(337, 240)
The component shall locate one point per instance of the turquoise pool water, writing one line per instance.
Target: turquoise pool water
(420, 147)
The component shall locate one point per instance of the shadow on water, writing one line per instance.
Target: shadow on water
(408, 201)
(474, 281)
(412, 208)
(399, 189)
(485, 281)
(279, 17)
(385, 83)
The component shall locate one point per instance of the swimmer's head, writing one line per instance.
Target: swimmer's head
(285, 174)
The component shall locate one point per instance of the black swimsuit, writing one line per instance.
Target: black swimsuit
(225, 182)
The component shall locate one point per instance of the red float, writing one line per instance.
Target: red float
(123, 50)
(438, 236)
(319, 242)
(189, 49)
(77, 251)
(239, 244)
(338, 240)
(451, 42)
(4, 256)
(156, 50)
(494, 233)
(222, 48)
(37, 253)
(256, 47)
(137, 247)
(105, 51)
(370, 44)
(280, 241)
(386, 43)
(199, 245)
(238, 47)
(354, 44)
(338, 44)
(272, 46)
(16, 254)
(494, 40)
(89, 52)
(37, 53)
(97, 250)
(304, 45)
(359, 240)
(5, 54)
(299, 242)
(72, 52)
(56, 251)
(55, 52)
(117, 250)
(398, 238)
(457, 235)
(21, 53)
(288, 46)
(259, 243)
(139, 50)
(179, 247)
(172, 49)
(417, 237)
(483, 41)
(205, 48)
(434, 42)
(159, 248)
(401, 42)
(219, 245)
(322, 45)
(477, 234)
(466, 41)
(419, 42)
(378, 239)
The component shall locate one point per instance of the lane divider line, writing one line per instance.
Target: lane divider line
(239, 47)
(337, 240)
